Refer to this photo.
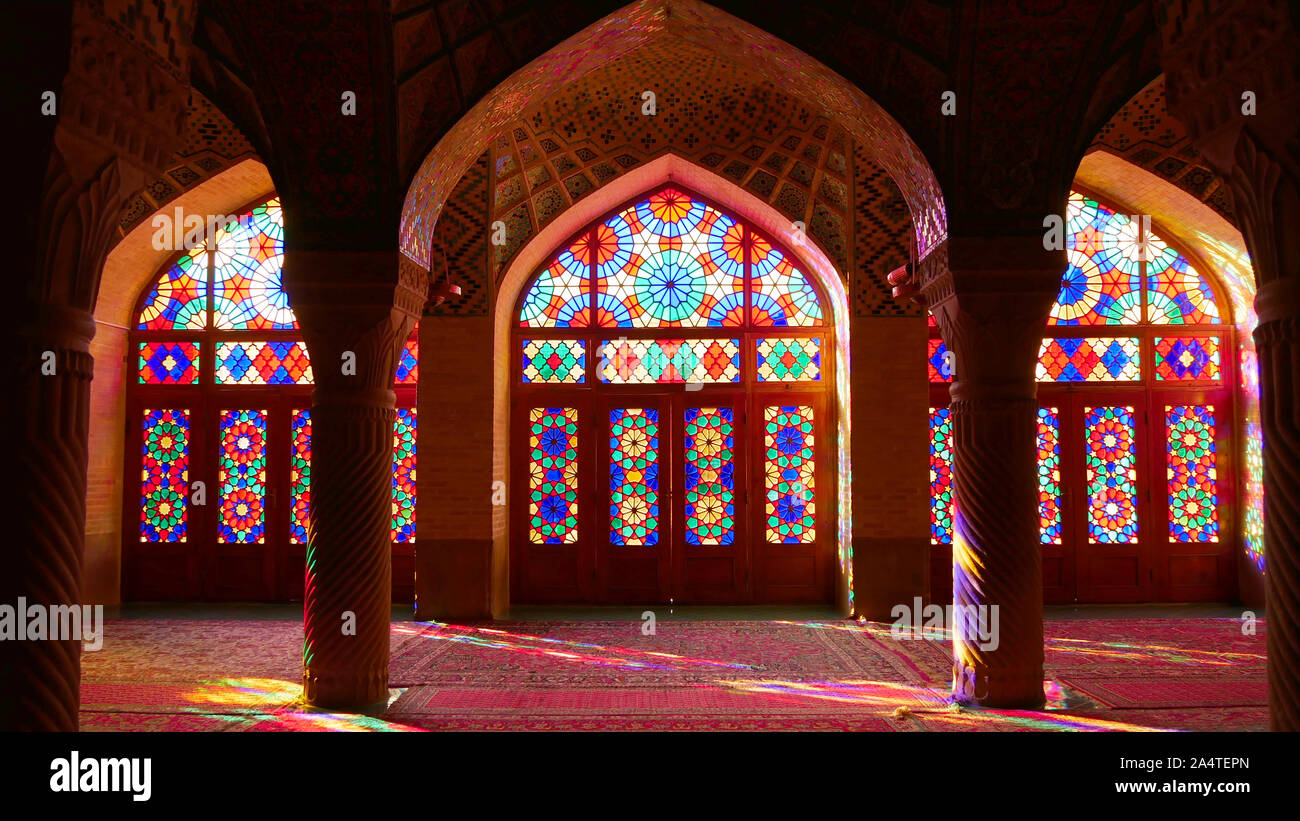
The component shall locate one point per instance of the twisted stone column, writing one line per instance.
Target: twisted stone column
(1277, 341)
(42, 558)
(1217, 58)
(991, 297)
(356, 309)
(348, 551)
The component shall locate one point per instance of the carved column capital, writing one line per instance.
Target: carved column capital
(992, 294)
(356, 309)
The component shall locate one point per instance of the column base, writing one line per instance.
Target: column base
(357, 691)
(1015, 688)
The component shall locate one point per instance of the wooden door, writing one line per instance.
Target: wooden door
(552, 525)
(793, 546)
(1192, 496)
(711, 543)
(1110, 516)
(635, 474)
(247, 481)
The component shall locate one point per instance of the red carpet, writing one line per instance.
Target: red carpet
(239, 675)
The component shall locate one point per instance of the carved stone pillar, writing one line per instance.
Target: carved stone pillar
(1233, 78)
(355, 316)
(991, 297)
(48, 402)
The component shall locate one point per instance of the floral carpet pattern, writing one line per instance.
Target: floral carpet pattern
(245, 675)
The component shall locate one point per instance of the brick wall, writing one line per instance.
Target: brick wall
(891, 480)
(101, 569)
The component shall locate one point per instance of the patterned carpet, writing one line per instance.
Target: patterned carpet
(1103, 674)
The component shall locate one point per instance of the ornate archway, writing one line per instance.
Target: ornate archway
(682, 351)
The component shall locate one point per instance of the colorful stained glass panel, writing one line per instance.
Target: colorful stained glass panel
(408, 362)
(404, 435)
(553, 475)
(241, 477)
(669, 261)
(789, 457)
(560, 296)
(783, 359)
(554, 361)
(663, 361)
(1089, 360)
(1049, 476)
(1176, 293)
(782, 295)
(1101, 285)
(179, 299)
(1192, 471)
(941, 485)
(1186, 358)
(299, 475)
(263, 363)
(710, 476)
(168, 363)
(634, 476)
(1110, 454)
(938, 363)
(164, 475)
(247, 292)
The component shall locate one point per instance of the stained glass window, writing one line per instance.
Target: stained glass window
(782, 359)
(553, 475)
(241, 475)
(710, 476)
(1089, 360)
(650, 361)
(634, 476)
(938, 363)
(670, 261)
(168, 363)
(179, 299)
(645, 284)
(781, 293)
(263, 363)
(789, 467)
(1186, 358)
(299, 476)
(941, 486)
(164, 483)
(247, 292)
(560, 297)
(1049, 476)
(226, 298)
(404, 434)
(554, 361)
(1102, 283)
(1176, 293)
(1110, 435)
(1192, 473)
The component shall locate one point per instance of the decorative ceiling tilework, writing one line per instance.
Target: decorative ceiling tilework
(462, 233)
(882, 232)
(724, 117)
(1147, 135)
(212, 144)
